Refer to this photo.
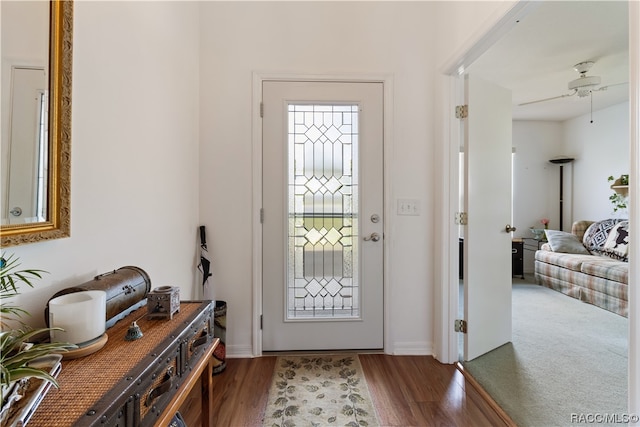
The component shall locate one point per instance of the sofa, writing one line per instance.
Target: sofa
(590, 263)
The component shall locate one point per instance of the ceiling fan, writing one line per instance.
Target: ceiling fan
(582, 86)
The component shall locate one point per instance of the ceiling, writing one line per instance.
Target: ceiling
(535, 58)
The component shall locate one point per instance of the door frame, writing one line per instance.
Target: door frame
(446, 276)
(451, 82)
(256, 161)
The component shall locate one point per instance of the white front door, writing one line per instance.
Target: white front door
(487, 243)
(323, 215)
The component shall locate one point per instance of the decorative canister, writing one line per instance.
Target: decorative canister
(163, 302)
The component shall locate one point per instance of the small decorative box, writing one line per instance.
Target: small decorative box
(162, 302)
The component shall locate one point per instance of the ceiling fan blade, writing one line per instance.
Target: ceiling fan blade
(611, 85)
(549, 99)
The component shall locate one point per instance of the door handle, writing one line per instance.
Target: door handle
(509, 228)
(374, 237)
(16, 211)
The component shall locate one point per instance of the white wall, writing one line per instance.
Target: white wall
(134, 174)
(317, 38)
(536, 181)
(601, 149)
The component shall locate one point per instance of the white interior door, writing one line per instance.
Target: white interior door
(25, 174)
(323, 215)
(487, 244)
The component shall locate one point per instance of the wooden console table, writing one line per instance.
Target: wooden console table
(104, 379)
(203, 371)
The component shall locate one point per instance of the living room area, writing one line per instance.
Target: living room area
(561, 346)
(547, 313)
(563, 168)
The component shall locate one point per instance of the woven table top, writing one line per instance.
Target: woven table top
(85, 380)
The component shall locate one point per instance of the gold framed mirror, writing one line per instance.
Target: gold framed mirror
(52, 169)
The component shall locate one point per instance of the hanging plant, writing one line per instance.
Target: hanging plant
(619, 197)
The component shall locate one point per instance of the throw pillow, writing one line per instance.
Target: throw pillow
(569, 243)
(617, 244)
(596, 235)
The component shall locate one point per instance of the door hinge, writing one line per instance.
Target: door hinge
(261, 322)
(261, 109)
(261, 215)
(460, 326)
(461, 218)
(462, 111)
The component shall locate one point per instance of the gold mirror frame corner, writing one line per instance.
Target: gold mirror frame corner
(58, 224)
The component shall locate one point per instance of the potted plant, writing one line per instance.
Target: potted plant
(17, 352)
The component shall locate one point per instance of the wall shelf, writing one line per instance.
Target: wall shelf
(620, 189)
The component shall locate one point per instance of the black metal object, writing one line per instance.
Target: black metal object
(205, 264)
(561, 161)
(517, 258)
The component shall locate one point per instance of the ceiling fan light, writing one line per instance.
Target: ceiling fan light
(583, 67)
(584, 83)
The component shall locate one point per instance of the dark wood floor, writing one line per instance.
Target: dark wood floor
(406, 390)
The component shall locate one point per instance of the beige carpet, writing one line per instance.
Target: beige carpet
(323, 390)
(567, 362)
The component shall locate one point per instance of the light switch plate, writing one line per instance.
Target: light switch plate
(408, 207)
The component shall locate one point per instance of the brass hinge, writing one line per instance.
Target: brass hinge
(461, 218)
(261, 109)
(462, 111)
(460, 326)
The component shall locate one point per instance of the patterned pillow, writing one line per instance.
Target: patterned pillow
(617, 244)
(596, 235)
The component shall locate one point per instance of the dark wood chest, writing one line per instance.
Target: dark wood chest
(126, 290)
(130, 383)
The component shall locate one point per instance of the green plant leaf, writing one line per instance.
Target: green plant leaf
(13, 356)
(27, 372)
(24, 357)
(9, 275)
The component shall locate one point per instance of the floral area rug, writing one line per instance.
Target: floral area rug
(319, 391)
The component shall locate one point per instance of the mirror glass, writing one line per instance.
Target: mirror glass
(36, 109)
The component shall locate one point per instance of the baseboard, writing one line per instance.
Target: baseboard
(486, 396)
(399, 349)
(409, 348)
(239, 351)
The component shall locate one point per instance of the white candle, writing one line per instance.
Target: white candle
(81, 315)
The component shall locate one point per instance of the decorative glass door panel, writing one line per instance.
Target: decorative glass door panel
(322, 273)
(322, 205)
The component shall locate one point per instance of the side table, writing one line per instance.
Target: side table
(531, 244)
(517, 258)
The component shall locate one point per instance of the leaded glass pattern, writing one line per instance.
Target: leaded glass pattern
(322, 278)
